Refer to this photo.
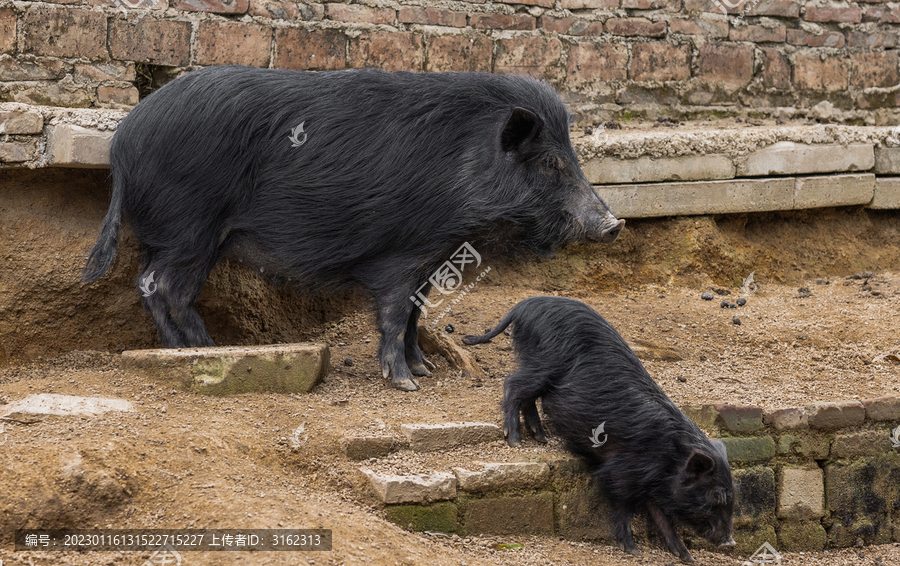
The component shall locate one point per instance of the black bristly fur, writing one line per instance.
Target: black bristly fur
(654, 460)
(396, 172)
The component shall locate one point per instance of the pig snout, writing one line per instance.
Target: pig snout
(599, 225)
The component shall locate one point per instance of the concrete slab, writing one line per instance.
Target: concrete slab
(790, 158)
(887, 193)
(612, 170)
(44, 404)
(278, 368)
(834, 190)
(74, 146)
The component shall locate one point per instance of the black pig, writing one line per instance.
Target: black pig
(642, 450)
(337, 179)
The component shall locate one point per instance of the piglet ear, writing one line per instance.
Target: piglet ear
(698, 465)
(521, 127)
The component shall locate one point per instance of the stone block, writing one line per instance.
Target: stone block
(842, 414)
(789, 158)
(752, 449)
(792, 418)
(229, 370)
(418, 488)
(887, 161)
(429, 437)
(439, 517)
(73, 146)
(738, 418)
(801, 493)
(583, 514)
(883, 409)
(754, 496)
(611, 170)
(802, 537)
(44, 404)
(521, 516)
(887, 193)
(834, 190)
(21, 122)
(365, 447)
(18, 152)
(499, 477)
(862, 494)
(866, 443)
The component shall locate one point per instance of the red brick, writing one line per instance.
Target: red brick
(776, 69)
(699, 27)
(876, 1)
(828, 39)
(431, 16)
(214, 6)
(359, 13)
(64, 32)
(780, 8)
(876, 69)
(570, 26)
(7, 31)
(874, 13)
(287, 10)
(757, 34)
(812, 73)
(588, 4)
(120, 94)
(797, 36)
(848, 14)
(654, 61)
(530, 55)
(148, 40)
(671, 5)
(459, 53)
(589, 62)
(314, 50)
(635, 26)
(41, 68)
(541, 3)
(391, 51)
(872, 40)
(724, 63)
(502, 21)
(891, 16)
(233, 43)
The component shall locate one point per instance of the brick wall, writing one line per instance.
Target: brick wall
(612, 58)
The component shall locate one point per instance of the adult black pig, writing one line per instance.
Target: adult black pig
(336, 179)
(643, 451)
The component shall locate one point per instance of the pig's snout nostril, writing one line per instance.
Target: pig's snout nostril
(613, 233)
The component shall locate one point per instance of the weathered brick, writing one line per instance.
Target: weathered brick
(703, 416)
(233, 43)
(802, 536)
(796, 36)
(809, 445)
(776, 71)
(583, 515)
(319, 50)
(283, 10)
(589, 62)
(498, 477)
(779, 8)
(801, 493)
(123, 94)
(793, 418)
(438, 517)
(725, 64)
(125, 6)
(862, 493)
(64, 32)
(21, 122)
(62, 93)
(752, 449)
(866, 443)
(148, 40)
(873, 13)
(887, 193)
(418, 488)
(31, 69)
(482, 20)
(459, 53)
(7, 31)
(757, 34)
(390, 51)
(827, 39)
(882, 408)
(812, 73)
(213, 6)
(850, 14)
(570, 26)
(528, 55)
(365, 447)
(754, 495)
(720, 7)
(635, 26)
(654, 61)
(588, 4)
(73, 146)
(835, 415)
(738, 418)
(709, 28)
(541, 3)
(18, 151)
(359, 13)
(671, 5)
(521, 516)
(428, 438)
(431, 16)
(105, 71)
(875, 69)
(871, 40)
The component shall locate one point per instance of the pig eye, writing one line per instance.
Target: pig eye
(555, 162)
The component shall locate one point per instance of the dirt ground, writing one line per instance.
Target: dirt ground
(187, 461)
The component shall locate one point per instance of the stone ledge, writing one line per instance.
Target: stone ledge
(44, 404)
(497, 477)
(427, 437)
(419, 488)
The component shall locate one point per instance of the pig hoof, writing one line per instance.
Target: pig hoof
(428, 365)
(419, 369)
(407, 384)
(539, 437)
(686, 557)
(635, 552)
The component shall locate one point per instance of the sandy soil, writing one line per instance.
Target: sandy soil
(187, 461)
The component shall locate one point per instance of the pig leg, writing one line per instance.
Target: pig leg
(673, 541)
(394, 313)
(154, 303)
(622, 516)
(521, 389)
(415, 359)
(533, 421)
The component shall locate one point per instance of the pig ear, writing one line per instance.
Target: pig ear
(521, 127)
(698, 465)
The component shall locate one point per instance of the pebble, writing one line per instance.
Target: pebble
(732, 306)
(741, 302)
(682, 379)
(707, 296)
(449, 329)
(348, 362)
(724, 304)
(736, 320)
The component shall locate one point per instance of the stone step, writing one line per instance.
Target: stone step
(228, 370)
(44, 404)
